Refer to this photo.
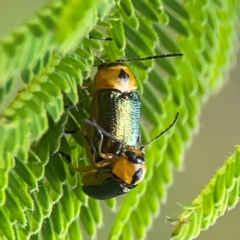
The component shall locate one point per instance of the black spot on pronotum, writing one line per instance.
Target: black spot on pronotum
(123, 75)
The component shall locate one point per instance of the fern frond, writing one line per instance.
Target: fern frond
(40, 196)
(220, 195)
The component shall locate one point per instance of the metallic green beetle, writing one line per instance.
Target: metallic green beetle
(117, 164)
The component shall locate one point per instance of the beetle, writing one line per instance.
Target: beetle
(117, 163)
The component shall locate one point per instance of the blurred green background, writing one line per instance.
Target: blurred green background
(218, 134)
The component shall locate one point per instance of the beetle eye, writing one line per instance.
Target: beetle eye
(130, 154)
(132, 157)
(138, 175)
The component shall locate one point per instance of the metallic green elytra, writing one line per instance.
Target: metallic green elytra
(119, 114)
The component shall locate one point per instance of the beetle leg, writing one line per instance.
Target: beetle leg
(70, 131)
(87, 85)
(102, 166)
(68, 158)
(79, 169)
(140, 139)
(92, 149)
(92, 122)
(70, 106)
(106, 156)
(85, 168)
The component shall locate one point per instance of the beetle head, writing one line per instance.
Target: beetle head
(116, 178)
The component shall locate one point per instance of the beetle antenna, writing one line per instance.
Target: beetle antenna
(151, 57)
(163, 132)
(92, 122)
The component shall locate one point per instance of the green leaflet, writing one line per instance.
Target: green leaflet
(44, 200)
(127, 7)
(19, 189)
(88, 221)
(6, 229)
(95, 209)
(36, 217)
(57, 220)
(15, 209)
(74, 231)
(23, 170)
(47, 230)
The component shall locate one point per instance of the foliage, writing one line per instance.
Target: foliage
(41, 198)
